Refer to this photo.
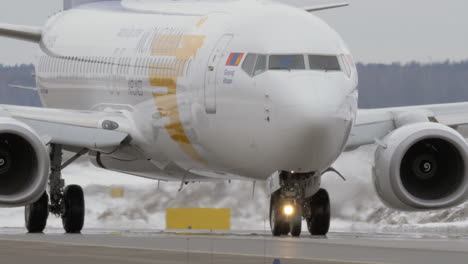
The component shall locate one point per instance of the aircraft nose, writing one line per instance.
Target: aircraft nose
(316, 115)
(309, 99)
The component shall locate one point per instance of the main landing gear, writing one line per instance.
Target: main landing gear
(288, 206)
(67, 203)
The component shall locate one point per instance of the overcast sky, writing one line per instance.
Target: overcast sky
(376, 30)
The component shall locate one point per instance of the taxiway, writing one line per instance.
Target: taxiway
(149, 246)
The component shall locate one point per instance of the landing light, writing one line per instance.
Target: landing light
(288, 209)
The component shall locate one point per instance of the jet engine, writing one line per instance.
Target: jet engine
(24, 164)
(422, 166)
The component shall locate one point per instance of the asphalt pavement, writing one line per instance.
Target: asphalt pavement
(154, 246)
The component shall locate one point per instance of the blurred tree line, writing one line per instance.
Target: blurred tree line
(387, 85)
(380, 85)
(18, 75)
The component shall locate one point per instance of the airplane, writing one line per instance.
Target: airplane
(201, 91)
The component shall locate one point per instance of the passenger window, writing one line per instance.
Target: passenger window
(249, 63)
(153, 68)
(83, 64)
(324, 63)
(286, 62)
(103, 65)
(61, 65)
(147, 67)
(109, 65)
(94, 65)
(79, 65)
(127, 66)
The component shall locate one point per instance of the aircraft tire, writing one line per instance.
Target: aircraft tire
(74, 209)
(36, 214)
(318, 222)
(296, 223)
(277, 224)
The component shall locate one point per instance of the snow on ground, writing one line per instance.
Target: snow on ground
(355, 206)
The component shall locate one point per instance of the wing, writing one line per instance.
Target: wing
(374, 124)
(26, 33)
(81, 129)
(103, 132)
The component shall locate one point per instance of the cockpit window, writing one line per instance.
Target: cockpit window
(249, 63)
(324, 63)
(261, 64)
(255, 64)
(286, 62)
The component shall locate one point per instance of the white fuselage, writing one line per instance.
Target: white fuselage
(176, 74)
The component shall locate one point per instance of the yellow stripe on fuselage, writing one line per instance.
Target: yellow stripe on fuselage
(182, 47)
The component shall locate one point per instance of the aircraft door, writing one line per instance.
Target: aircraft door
(214, 64)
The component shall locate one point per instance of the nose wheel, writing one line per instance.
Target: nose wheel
(318, 215)
(295, 224)
(315, 210)
(285, 217)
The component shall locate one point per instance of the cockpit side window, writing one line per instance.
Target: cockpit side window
(261, 64)
(347, 64)
(249, 63)
(254, 64)
(286, 62)
(324, 63)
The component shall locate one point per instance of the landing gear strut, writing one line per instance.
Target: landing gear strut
(66, 203)
(288, 206)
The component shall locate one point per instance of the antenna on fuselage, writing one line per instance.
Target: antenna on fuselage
(325, 7)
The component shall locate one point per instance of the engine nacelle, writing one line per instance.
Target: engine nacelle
(422, 166)
(24, 164)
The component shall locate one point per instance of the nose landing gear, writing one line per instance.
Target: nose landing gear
(295, 223)
(278, 224)
(285, 217)
(318, 213)
(288, 206)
